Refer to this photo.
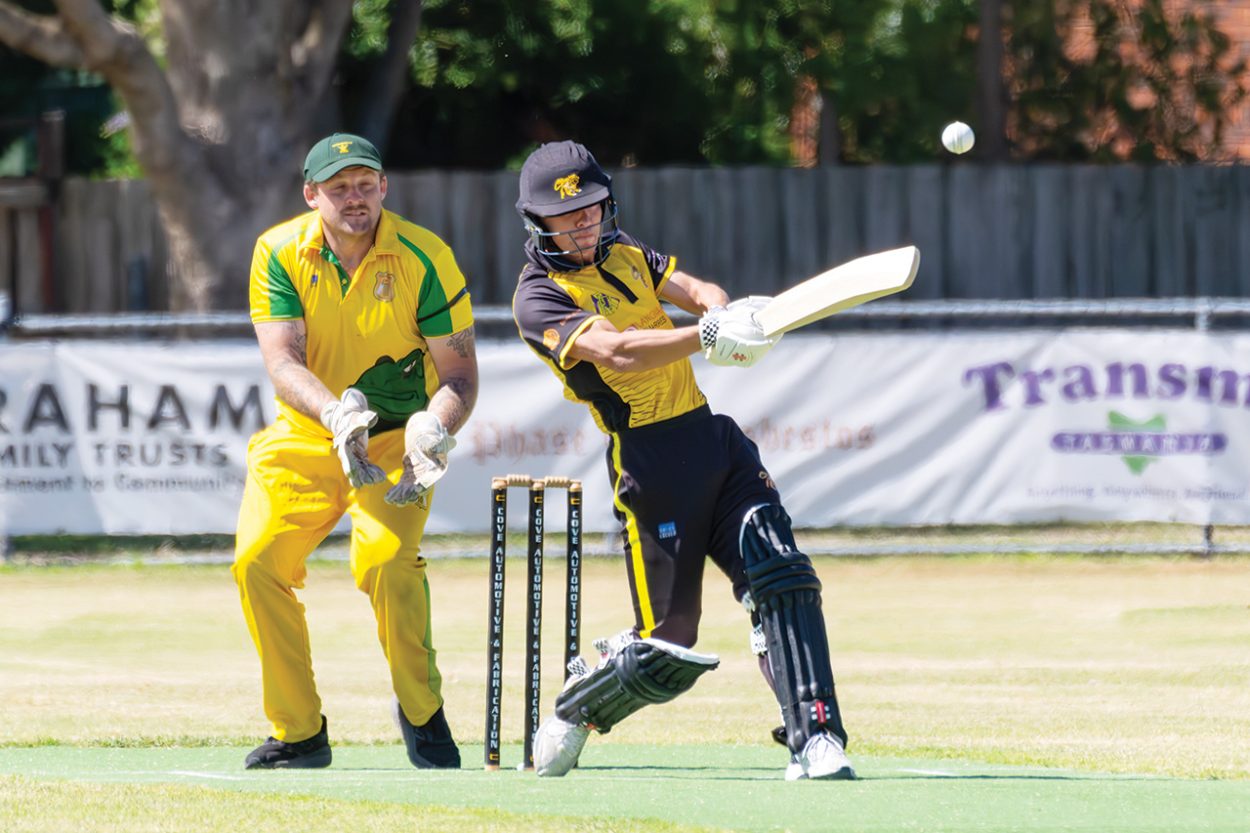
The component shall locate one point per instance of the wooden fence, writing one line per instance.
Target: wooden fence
(1008, 232)
(24, 242)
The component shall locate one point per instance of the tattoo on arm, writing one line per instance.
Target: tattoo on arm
(462, 343)
(453, 401)
(294, 383)
(299, 344)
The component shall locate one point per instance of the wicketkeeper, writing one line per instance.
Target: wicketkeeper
(687, 484)
(366, 330)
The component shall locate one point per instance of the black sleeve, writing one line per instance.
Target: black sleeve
(548, 318)
(659, 264)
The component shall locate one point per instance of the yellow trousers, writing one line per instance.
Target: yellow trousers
(296, 493)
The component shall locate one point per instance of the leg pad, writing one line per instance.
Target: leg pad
(642, 672)
(786, 595)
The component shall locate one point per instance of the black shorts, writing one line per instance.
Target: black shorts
(682, 488)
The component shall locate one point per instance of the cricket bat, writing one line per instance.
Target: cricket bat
(853, 283)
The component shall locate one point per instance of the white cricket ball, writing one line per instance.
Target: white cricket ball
(957, 137)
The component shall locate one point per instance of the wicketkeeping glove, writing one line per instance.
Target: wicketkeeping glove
(348, 420)
(426, 444)
(732, 338)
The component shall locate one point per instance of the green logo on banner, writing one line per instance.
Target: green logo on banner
(1119, 422)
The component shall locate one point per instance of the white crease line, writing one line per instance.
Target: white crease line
(289, 778)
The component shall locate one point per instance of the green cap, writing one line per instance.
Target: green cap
(338, 151)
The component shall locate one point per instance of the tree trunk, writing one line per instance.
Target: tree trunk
(220, 130)
(829, 134)
(390, 79)
(991, 93)
(243, 94)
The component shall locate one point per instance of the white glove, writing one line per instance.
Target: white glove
(732, 338)
(754, 303)
(349, 421)
(426, 444)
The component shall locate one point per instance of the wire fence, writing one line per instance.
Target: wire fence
(1198, 313)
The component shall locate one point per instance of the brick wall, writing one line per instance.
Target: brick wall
(1233, 17)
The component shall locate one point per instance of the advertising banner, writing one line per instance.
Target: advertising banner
(864, 429)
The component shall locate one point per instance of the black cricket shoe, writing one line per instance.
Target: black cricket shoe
(430, 746)
(313, 753)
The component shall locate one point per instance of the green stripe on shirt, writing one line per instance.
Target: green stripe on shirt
(283, 299)
(432, 299)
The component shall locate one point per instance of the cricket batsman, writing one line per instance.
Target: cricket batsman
(366, 331)
(687, 484)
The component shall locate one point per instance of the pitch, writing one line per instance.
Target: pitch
(644, 787)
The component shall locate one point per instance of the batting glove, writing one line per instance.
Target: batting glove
(733, 338)
(426, 445)
(348, 420)
(754, 303)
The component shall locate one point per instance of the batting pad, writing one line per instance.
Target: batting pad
(643, 672)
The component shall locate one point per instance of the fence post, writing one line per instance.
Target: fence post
(51, 142)
(1202, 314)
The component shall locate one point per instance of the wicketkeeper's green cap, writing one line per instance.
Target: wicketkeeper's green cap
(338, 151)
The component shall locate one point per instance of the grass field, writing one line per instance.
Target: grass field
(1019, 693)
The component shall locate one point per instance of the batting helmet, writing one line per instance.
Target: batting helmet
(560, 178)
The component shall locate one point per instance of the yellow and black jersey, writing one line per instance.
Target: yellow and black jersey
(366, 330)
(552, 308)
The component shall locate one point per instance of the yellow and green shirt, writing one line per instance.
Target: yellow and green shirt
(552, 308)
(366, 330)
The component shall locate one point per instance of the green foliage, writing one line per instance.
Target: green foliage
(901, 75)
(1090, 80)
(674, 81)
(118, 158)
(665, 81)
(715, 81)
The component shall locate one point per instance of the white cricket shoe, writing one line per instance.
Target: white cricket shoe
(824, 758)
(557, 746)
(795, 770)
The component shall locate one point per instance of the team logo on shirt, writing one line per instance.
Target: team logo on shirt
(635, 274)
(384, 286)
(604, 303)
(568, 186)
(550, 339)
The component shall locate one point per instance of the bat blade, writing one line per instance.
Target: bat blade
(853, 283)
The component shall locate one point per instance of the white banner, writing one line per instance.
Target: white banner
(126, 438)
(981, 428)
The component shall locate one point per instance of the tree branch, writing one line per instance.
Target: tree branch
(389, 80)
(115, 50)
(314, 51)
(40, 36)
